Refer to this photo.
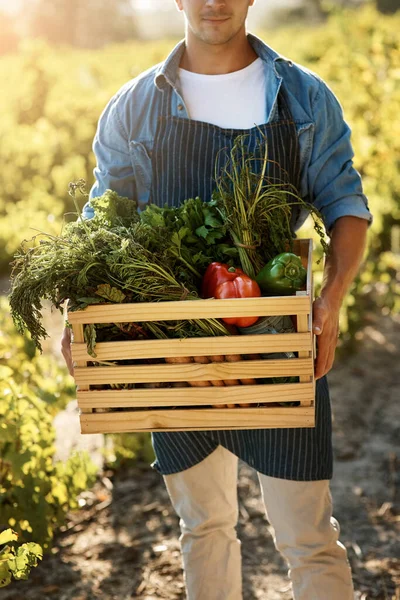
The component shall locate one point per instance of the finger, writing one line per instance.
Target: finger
(323, 343)
(320, 369)
(69, 363)
(319, 318)
(321, 359)
(319, 321)
(66, 352)
(317, 328)
(326, 354)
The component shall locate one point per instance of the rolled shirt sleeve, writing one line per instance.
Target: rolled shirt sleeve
(114, 165)
(334, 185)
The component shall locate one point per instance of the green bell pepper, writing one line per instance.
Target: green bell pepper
(282, 276)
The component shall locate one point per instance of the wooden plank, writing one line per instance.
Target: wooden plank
(309, 284)
(78, 337)
(193, 309)
(286, 367)
(202, 396)
(310, 316)
(302, 325)
(253, 344)
(198, 420)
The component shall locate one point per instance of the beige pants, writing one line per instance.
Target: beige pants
(205, 499)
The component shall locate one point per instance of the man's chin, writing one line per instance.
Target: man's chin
(216, 40)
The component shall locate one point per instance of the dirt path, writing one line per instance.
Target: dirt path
(124, 543)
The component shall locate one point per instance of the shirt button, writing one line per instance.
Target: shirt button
(180, 106)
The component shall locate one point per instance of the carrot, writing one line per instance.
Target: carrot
(238, 358)
(184, 360)
(204, 360)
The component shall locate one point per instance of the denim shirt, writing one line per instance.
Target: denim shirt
(126, 130)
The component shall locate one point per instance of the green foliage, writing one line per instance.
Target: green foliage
(16, 561)
(35, 491)
(50, 104)
(20, 360)
(128, 449)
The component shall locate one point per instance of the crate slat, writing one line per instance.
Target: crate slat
(308, 247)
(198, 419)
(193, 309)
(207, 346)
(79, 337)
(189, 396)
(302, 325)
(286, 367)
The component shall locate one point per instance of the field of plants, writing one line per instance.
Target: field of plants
(49, 106)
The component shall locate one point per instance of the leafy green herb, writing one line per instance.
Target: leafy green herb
(257, 212)
(110, 293)
(89, 334)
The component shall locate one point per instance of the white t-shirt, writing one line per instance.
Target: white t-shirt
(232, 101)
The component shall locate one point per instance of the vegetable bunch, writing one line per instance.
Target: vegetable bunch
(160, 254)
(114, 257)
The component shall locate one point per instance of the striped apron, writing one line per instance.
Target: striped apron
(183, 161)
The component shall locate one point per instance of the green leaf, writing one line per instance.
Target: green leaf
(32, 552)
(213, 236)
(176, 240)
(198, 258)
(153, 216)
(110, 293)
(5, 575)
(27, 556)
(211, 221)
(180, 235)
(228, 250)
(202, 232)
(89, 334)
(8, 536)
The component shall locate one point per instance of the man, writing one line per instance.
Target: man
(157, 141)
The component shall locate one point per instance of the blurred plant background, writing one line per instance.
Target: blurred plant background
(60, 62)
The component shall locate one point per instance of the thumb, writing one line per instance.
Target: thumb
(318, 328)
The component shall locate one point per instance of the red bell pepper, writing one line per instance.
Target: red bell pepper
(215, 274)
(221, 281)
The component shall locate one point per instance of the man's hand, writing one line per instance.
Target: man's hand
(66, 349)
(326, 327)
(346, 250)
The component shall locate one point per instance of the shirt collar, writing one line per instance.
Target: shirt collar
(167, 74)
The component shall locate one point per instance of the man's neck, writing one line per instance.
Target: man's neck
(219, 59)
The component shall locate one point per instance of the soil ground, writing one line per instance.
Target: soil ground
(124, 542)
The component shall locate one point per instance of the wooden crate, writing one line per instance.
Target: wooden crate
(193, 408)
